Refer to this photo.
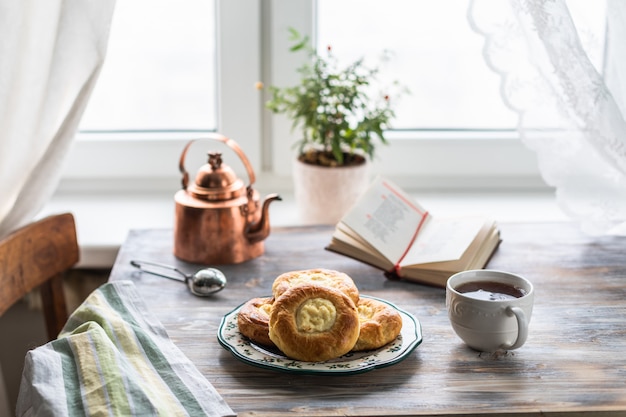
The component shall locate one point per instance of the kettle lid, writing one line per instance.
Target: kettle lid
(216, 181)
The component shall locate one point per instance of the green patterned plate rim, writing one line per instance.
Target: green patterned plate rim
(354, 362)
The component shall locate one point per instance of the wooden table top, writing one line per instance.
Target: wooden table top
(574, 360)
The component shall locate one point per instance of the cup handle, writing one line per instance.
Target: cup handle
(522, 326)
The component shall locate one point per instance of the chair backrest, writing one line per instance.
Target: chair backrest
(35, 256)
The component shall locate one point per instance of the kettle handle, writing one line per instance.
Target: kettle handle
(230, 143)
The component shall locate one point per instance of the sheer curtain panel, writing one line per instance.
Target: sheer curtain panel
(562, 65)
(51, 52)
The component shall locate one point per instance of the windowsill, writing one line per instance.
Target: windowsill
(103, 221)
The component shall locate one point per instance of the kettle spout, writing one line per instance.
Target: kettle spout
(256, 232)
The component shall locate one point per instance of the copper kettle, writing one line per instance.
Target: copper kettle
(219, 220)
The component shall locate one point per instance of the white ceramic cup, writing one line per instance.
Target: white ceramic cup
(488, 325)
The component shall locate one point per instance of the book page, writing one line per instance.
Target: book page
(387, 218)
(348, 243)
(443, 240)
(347, 236)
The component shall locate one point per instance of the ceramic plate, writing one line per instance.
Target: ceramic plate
(354, 362)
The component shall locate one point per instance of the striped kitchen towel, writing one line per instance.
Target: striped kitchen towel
(114, 358)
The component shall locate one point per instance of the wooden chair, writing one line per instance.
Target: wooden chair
(35, 256)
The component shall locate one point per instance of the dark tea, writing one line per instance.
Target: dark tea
(490, 290)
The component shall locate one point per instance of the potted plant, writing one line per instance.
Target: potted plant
(341, 121)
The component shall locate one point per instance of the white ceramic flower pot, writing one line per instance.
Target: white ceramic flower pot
(323, 195)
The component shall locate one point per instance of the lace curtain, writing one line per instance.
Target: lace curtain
(569, 91)
(51, 53)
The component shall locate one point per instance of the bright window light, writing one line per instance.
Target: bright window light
(160, 69)
(434, 52)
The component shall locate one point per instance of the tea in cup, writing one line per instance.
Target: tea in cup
(490, 310)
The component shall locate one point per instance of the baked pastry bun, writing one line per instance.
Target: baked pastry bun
(380, 324)
(325, 277)
(314, 323)
(254, 318)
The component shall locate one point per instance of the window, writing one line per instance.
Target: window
(452, 130)
(433, 52)
(446, 152)
(437, 55)
(160, 72)
(174, 69)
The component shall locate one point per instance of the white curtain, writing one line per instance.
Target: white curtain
(569, 90)
(51, 52)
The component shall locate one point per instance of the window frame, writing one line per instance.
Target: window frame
(148, 161)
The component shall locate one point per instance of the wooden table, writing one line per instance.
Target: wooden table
(573, 363)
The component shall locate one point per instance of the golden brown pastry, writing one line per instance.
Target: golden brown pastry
(254, 318)
(326, 277)
(312, 322)
(380, 324)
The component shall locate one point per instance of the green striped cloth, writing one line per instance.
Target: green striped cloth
(114, 358)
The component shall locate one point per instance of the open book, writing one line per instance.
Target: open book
(389, 230)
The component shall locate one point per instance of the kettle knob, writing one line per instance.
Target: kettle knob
(215, 160)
